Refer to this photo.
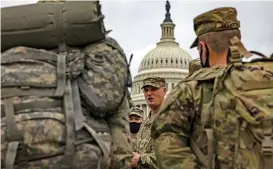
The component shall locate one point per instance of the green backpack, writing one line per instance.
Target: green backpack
(236, 114)
(54, 104)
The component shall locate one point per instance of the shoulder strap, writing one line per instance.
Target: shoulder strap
(235, 57)
(267, 142)
(238, 47)
(205, 113)
(235, 41)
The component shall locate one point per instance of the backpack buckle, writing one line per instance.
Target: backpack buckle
(235, 57)
(267, 146)
(267, 142)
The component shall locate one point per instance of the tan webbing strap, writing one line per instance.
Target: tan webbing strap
(78, 116)
(12, 131)
(20, 56)
(211, 149)
(235, 57)
(27, 84)
(239, 129)
(13, 134)
(235, 41)
(267, 143)
(100, 142)
(33, 105)
(61, 61)
(36, 115)
(13, 92)
(61, 74)
(206, 109)
(68, 160)
(206, 104)
(11, 154)
(200, 155)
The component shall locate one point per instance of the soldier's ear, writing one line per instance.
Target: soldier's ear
(165, 90)
(203, 53)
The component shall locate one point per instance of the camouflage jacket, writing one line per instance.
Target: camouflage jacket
(134, 141)
(219, 111)
(172, 127)
(122, 150)
(145, 144)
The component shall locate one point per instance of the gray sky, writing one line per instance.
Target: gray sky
(136, 24)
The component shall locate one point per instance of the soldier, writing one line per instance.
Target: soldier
(136, 118)
(64, 107)
(194, 65)
(218, 117)
(154, 89)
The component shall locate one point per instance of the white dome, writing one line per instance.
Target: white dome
(165, 55)
(166, 60)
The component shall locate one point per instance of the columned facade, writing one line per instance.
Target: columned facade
(167, 60)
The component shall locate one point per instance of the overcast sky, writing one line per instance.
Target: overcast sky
(136, 24)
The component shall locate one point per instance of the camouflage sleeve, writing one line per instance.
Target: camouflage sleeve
(148, 160)
(119, 127)
(171, 130)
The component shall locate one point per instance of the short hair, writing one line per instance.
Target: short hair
(219, 42)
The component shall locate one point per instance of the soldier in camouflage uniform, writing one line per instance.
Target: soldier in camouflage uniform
(76, 125)
(196, 128)
(194, 65)
(154, 92)
(136, 118)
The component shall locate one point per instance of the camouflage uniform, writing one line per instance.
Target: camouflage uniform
(72, 113)
(194, 65)
(145, 144)
(138, 112)
(200, 129)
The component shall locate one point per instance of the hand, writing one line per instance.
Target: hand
(135, 160)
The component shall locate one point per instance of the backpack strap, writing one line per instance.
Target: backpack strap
(105, 148)
(205, 112)
(14, 136)
(235, 41)
(207, 97)
(43, 90)
(68, 161)
(267, 143)
(78, 114)
(61, 73)
(199, 154)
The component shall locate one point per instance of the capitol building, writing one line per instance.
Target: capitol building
(166, 60)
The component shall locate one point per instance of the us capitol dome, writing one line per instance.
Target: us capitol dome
(166, 60)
